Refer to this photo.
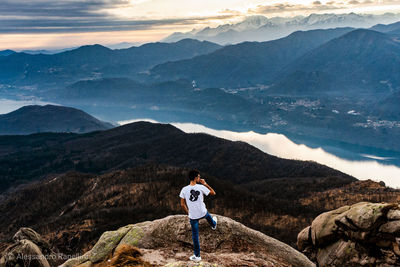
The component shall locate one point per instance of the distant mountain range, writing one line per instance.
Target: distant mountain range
(358, 62)
(393, 28)
(260, 28)
(338, 79)
(304, 63)
(6, 52)
(46, 51)
(245, 64)
(49, 118)
(305, 83)
(122, 45)
(88, 62)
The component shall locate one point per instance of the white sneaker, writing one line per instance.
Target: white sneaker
(216, 221)
(195, 258)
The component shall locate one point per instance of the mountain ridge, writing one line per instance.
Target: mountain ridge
(260, 28)
(94, 61)
(142, 143)
(358, 60)
(245, 64)
(49, 118)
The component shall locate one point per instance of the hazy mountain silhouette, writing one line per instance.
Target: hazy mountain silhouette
(357, 62)
(49, 118)
(245, 64)
(261, 29)
(393, 28)
(94, 61)
(6, 52)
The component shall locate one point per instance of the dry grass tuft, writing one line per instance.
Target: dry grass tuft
(128, 256)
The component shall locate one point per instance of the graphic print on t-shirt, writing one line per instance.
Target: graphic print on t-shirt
(194, 195)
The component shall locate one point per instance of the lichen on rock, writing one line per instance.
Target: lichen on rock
(168, 242)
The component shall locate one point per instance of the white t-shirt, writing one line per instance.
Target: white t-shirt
(193, 194)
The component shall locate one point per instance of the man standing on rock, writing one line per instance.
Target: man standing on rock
(192, 197)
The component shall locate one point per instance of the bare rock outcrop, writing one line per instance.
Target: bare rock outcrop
(29, 249)
(364, 234)
(168, 242)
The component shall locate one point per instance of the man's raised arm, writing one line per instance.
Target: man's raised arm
(203, 182)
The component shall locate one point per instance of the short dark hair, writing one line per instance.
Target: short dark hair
(193, 174)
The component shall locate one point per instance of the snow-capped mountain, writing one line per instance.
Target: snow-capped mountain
(252, 22)
(260, 28)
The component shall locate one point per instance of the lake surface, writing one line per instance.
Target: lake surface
(361, 165)
(281, 146)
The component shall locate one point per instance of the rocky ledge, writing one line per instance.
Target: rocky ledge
(168, 242)
(364, 234)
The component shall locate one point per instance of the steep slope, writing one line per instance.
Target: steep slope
(49, 118)
(362, 61)
(73, 209)
(95, 61)
(389, 108)
(29, 157)
(247, 63)
(141, 143)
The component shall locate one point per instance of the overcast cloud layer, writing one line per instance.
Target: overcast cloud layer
(53, 24)
(23, 16)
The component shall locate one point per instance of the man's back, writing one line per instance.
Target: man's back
(192, 201)
(194, 197)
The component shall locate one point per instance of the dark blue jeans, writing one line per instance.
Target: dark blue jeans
(195, 231)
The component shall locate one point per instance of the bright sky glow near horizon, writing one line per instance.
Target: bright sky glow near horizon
(46, 24)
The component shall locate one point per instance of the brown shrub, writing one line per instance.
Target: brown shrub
(128, 256)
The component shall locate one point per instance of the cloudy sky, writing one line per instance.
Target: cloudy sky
(33, 24)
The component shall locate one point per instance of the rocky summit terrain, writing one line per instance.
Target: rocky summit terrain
(168, 242)
(363, 234)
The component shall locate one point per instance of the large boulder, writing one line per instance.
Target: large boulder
(323, 228)
(30, 234)
(29, 249)
(28, 252)
(364, 234)
(23, 253)
(168, 242)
